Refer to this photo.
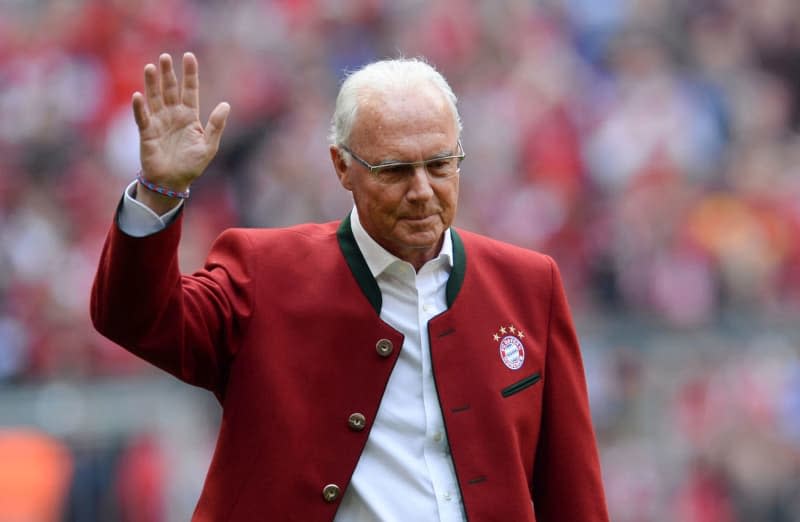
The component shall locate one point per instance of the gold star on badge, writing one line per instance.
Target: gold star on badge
(520, 334)
(496, 337)
(511, 327)
(502, 329)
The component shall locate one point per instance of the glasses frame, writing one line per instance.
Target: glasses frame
(375, 170)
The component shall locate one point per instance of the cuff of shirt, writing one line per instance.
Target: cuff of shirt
(138, 220)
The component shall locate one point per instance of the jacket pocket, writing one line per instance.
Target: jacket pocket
(518, 386)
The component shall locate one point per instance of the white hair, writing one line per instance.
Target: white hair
(382, 76)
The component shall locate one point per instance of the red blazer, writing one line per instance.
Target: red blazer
(283, 326)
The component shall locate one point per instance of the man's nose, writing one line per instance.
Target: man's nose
(420, 184)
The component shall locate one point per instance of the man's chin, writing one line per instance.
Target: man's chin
(422, 241)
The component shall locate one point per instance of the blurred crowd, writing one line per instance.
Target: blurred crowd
(650, 146)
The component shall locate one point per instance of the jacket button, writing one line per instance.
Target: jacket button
(331, 492)
(357, 421)
(384, 347)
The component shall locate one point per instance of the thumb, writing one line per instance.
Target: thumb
(216, 124)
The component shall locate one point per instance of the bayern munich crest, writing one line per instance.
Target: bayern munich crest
(512, 351)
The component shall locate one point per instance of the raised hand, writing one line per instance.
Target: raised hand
(175, 148)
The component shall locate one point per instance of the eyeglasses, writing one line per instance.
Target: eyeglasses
(438, 168)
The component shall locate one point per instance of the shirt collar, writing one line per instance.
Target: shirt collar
(379, 259)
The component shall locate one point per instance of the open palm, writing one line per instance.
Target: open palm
(175, 148)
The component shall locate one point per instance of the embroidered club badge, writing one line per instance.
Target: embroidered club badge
(512, 351)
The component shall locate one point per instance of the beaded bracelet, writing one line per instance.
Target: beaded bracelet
(161, 190)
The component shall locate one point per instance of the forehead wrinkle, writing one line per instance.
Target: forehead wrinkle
(398, 114)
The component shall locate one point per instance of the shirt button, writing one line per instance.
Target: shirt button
(384, 347)
(437, 436)
(447, 496)
(427, 307)
(356, 421)
(331, 492)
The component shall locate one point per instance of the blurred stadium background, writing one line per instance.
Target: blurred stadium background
(650, 146)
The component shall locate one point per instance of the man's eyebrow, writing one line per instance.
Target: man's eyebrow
(392, 161)
(444, 154)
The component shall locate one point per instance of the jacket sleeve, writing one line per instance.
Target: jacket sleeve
(190, 326)
(567, 484)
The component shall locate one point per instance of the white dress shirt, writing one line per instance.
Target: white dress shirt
(137, 219)
(405, 472)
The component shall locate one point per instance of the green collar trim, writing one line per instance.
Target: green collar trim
(459, 268)
(358, 266)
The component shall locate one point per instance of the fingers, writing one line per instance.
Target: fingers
(190, 90)
(152, 88)
(216, 124)
(169, 82)
(160, 84)
(140, 111)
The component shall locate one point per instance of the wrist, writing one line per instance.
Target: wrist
(156, 202)
(161, 190)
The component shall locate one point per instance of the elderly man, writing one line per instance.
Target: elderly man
(387, 367)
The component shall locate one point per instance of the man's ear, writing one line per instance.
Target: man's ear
(343, 171)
